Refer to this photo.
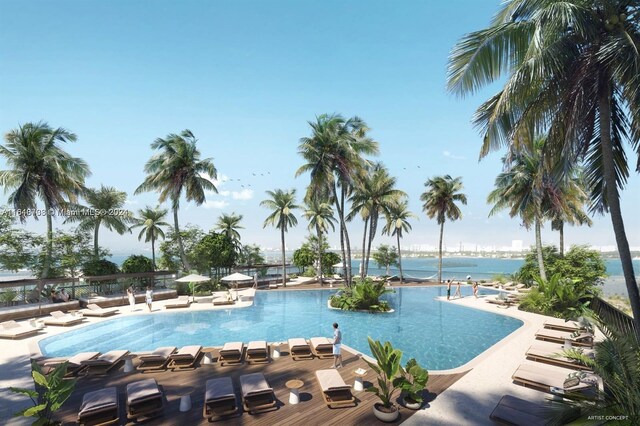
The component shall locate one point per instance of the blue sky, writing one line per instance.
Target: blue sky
(245, 77)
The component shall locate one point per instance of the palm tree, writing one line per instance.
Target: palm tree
(334, 159)
(229, 225)
(372, 196)
(397, 223)
(104, 208)
(40, 169)
(440, 202)
(522, 189)
(571, 71)
(151, 221)
(282, 203)
(175, 168)
(320, 217)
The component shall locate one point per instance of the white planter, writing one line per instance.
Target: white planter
(411, 405)
(386, 417)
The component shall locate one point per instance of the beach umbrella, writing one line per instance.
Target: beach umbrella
(193, 278)
(338, 265)
(236, 277)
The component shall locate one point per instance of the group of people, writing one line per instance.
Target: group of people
(458, 293)
(148, 297)
(59, 296)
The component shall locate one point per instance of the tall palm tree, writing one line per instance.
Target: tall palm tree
(372, 196)
(440, 202)
(570, 70)
(522, 189)
(334, 157)
(40, 169)
(151, 221)
(282, 203)
(398, 215)
(320, 216)
(177, 167)
(104, 207)
(229, 225)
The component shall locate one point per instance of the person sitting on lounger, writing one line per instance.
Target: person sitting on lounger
(337, 344)
(63, 296)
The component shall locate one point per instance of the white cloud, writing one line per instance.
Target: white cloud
(452, 156)
(219, 204)
(245, 194)
(224, 193)
(131, 202)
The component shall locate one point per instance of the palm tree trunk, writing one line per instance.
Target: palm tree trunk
(440, 251)
(319, 232)
(343, 194)
(364, 248)
(543, 273)
(613, 201)
(373, 227)
(341, 218)
(183, 257)
(561, 231)
(49, 247)
(284, 260)
(96, 229)
(153, 253)
(399, 256)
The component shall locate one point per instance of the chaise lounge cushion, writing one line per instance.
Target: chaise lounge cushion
(254, 384)
(99, 400)
(160, 354)
(187, 352)
(331, 380)
(218, 389)
(142, 390)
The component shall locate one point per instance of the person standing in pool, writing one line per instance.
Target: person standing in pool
(337, 343)
(148, 297)
(458, 292)
(448, 289)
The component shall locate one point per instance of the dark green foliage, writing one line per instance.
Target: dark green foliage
(18, 248)
(137, 263)
(579, 263)
(304, 257)
(213, 251)
(70, 251)
(170, 252)
(363, 295)
(94, 268)
(558, 297)
(329, 259)
(385, 257)
(250, 255)
(416, 379)
(51, 392)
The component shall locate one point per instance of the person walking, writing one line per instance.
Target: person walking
(131, 294)
(475, 289)
(458, 292)
(337, 343)
(448, 289)
(148, 297)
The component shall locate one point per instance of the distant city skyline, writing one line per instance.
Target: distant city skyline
(246, 77)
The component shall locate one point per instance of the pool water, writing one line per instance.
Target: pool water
(439, 335)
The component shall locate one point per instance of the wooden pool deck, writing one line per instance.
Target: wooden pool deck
(310, 411)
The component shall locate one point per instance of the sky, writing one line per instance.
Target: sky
(246, 77)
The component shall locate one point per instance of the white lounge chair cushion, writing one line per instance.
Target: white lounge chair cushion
(331, 380)
(257, 346)
(297, 341)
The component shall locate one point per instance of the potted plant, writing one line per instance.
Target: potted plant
(415, 380)
(390, 379)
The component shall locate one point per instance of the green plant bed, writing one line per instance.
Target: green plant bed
(363, 296)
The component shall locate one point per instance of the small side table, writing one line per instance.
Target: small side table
(208, 355)
(185, 398)
(294, 386)
(358, 385)
(276, 350)
(128, 363)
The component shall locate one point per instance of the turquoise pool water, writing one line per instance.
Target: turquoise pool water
(439, 335)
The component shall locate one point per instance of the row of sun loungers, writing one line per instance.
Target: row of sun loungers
(14, 330)
(93, 310)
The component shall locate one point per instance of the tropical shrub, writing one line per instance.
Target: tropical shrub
(385, 257)
(137, 263)
(558, 297)
(363, 295)
(51, 391)
(304, 257)
(95, 268)
(416, 379)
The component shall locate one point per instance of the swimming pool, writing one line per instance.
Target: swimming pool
(439, 335)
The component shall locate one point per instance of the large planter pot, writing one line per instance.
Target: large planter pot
(383, 415)
(411, 405)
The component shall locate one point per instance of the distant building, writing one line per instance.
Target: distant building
(517, 245)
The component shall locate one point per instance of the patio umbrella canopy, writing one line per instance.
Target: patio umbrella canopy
(236, 277)
(193, 278)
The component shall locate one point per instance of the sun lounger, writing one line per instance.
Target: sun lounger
(182, 302)
(74, 364)
(94, 310)
(299, 349)
(257, 352)
(553, 354)
(156, 360)
(144, 399)
(335, 392)
(545, 377)
(562, 325)
(99, 408)
(222, 298)
(62, 319)
(231, 353)
(582, 339)
(105, 362)
(257, 395)
(246, 295)
(185, 358)
(515, 411)
(501, 302)
(322, 347)
(219, 398)
(15, 330)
